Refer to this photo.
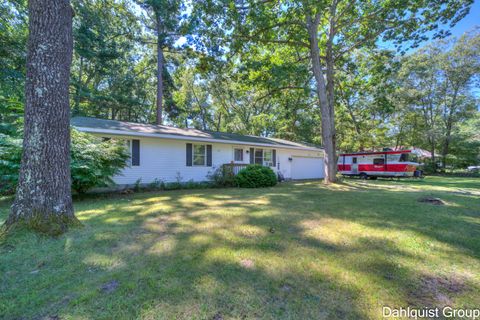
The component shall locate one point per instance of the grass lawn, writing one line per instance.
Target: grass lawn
(300, 250)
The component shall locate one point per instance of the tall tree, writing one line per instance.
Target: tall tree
(365, 83)
(163, 16)
(435, 84)
(110, 76)
(13, 35)
(460, 67)
(43, 200)
(328, 30)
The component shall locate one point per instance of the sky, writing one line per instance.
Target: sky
(470, 21)
(466, 24)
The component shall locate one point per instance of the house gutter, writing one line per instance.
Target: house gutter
(186, 138)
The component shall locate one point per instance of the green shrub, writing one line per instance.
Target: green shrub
(137, 185)
(156, 184)
(256, 176)
(10, 157)
(93, 162)
(222, 176)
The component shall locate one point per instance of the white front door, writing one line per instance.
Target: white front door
(307, 168)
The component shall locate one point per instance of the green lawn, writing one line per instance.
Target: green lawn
(296, 251)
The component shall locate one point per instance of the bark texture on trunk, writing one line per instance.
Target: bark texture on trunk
(43, 201)
(327, 111)
(433, 159)
(446, 145)
(160, 63)
(449, 126)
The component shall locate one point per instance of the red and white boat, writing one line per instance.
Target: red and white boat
(401, 163)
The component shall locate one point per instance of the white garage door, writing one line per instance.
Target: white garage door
(307, 168)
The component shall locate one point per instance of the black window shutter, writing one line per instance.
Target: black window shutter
(274, 158)
(135, 152)
(252, 155)
(209, 155)
(189, 154)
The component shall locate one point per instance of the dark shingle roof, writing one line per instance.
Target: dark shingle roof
(148, 129)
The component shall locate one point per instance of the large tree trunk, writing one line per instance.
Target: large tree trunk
(448, 129)
(43, 200)
(328, 121)
(432, 158)
(160, 62)
(446, 143)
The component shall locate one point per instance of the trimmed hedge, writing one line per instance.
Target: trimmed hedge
(256, 176)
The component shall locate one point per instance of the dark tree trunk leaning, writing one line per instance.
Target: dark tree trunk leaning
(328, 121)
(43, 201)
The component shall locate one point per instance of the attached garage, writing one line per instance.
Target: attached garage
(307, 168)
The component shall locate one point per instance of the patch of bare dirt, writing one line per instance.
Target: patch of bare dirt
(432, 200)
(286, 288)
(110, 286)
(436, 291)
(217, 316)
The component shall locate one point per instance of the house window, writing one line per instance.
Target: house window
(264, 157)
(379, 161)
(238, 154)
(259, 156)
(267, 158)
(199, 154)
(135, 152)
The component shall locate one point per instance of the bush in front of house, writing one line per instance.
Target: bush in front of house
(222, 176)
(93, 162)
(256, 176)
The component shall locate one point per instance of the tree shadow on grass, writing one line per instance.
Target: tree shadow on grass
(234, 254)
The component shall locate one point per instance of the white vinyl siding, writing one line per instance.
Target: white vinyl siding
(165, 159)
(128, 144)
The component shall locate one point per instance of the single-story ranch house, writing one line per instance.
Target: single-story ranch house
(167, 153)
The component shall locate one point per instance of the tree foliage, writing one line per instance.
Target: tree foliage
(246, 67)
(435, 92)
(93, 161)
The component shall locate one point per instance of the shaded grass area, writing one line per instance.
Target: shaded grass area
(300, 250)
